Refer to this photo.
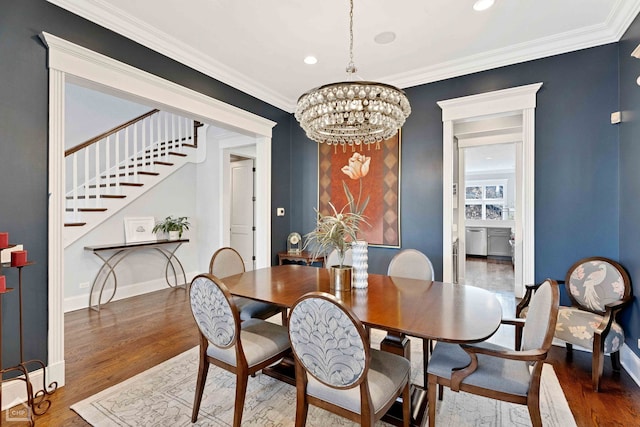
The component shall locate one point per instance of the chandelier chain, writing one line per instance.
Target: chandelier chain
(351, 68)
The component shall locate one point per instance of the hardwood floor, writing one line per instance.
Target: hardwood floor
(132, 335)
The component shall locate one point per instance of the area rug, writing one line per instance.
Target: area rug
(163, 396)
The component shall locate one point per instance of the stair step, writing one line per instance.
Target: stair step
(148, 173)
(87, 209)
(124, 184)
(173, 153)
(190, 145)
(158, 162)
(102, 196)
(74, 224)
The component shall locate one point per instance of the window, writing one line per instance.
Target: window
(486, 200)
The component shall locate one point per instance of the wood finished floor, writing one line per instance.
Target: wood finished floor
(132, 335)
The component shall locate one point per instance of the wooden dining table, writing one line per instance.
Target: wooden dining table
(402, 307)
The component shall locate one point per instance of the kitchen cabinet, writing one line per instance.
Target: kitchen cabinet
(498, 241)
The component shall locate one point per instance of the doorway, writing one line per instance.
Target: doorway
(488, 199)
(518, 101)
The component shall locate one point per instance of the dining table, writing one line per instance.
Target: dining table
(402, 307)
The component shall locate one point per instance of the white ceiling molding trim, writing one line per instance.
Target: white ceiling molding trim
(557, 44)
(126, 25)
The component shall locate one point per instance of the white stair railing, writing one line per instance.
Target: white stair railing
(100, 167)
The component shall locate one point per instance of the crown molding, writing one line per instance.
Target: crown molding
(611, 31)
(114, 19)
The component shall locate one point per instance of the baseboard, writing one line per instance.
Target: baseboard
(631, 363)
(14, 393)
(82, 301)
(628, 359)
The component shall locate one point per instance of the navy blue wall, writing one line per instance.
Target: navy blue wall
(23, 143)
(576, 174)
(630, 176)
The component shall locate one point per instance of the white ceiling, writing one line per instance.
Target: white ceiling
(258, 46)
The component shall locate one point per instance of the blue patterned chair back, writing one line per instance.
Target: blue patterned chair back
(328, 340)
(226, 262)
(595, 282)
(212, 309)
(411, 264)
(541, 317)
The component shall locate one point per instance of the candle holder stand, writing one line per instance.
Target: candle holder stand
(37, 403)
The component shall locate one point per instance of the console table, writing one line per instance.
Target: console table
(120, 251)
(304, 256)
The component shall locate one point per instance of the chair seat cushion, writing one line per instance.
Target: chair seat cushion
(387, 372)
(493, 373)
(578, 327)
(250, 309)
(260, 341)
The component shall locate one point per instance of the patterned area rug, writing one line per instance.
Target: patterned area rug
(163, 396)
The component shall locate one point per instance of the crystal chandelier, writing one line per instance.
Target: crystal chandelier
(352, 112)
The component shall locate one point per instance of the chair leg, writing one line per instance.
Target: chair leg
(241, 390)
(615, 361)
(431, 398)
(284, 317)
(533, 404)
(440, 391)
(203, 370)
(406, 405)
(597, 367)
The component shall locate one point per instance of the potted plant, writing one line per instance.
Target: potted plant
(173, 227)
(335, 231)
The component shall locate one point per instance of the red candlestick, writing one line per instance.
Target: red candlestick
(3, 284)
(4, 240)
(18, 258)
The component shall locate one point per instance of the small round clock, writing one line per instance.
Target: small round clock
(294, 243)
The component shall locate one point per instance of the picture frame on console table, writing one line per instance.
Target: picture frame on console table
(380, 182)
(139, 229)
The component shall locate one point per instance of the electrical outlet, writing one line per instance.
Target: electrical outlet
(83, 285)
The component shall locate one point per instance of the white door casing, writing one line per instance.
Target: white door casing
(68, 61)
(519, 99)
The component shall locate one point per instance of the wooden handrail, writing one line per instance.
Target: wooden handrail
(108, 133)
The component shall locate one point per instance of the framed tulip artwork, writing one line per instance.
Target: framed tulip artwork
(369, 177)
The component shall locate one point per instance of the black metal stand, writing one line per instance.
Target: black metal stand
(37, 403)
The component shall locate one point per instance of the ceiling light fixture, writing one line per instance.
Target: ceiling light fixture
(310, 60)
(352, 112)
(481, 5)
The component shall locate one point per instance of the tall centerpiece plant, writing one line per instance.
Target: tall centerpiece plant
(334, 231)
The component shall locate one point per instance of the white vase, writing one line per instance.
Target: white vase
(174, 235)
(360, 253)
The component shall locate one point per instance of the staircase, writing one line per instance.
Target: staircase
(109, 171)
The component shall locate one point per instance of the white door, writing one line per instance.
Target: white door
(242, 210)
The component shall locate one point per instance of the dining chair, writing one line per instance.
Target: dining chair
(413, 264)
(599, 288)
(335, 367)
(227, 262)
(498, 372)
(332, 258)
(242, 348)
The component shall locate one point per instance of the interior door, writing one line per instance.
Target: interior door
(242, 210)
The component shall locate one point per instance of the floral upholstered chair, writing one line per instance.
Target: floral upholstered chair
(227, 262)
(241, 348)
(599, 288)
(335, 367)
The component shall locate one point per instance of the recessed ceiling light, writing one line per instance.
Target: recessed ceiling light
(310, 60)
(385, 38)
(481, 5)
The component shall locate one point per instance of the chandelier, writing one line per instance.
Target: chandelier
(352, 112)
